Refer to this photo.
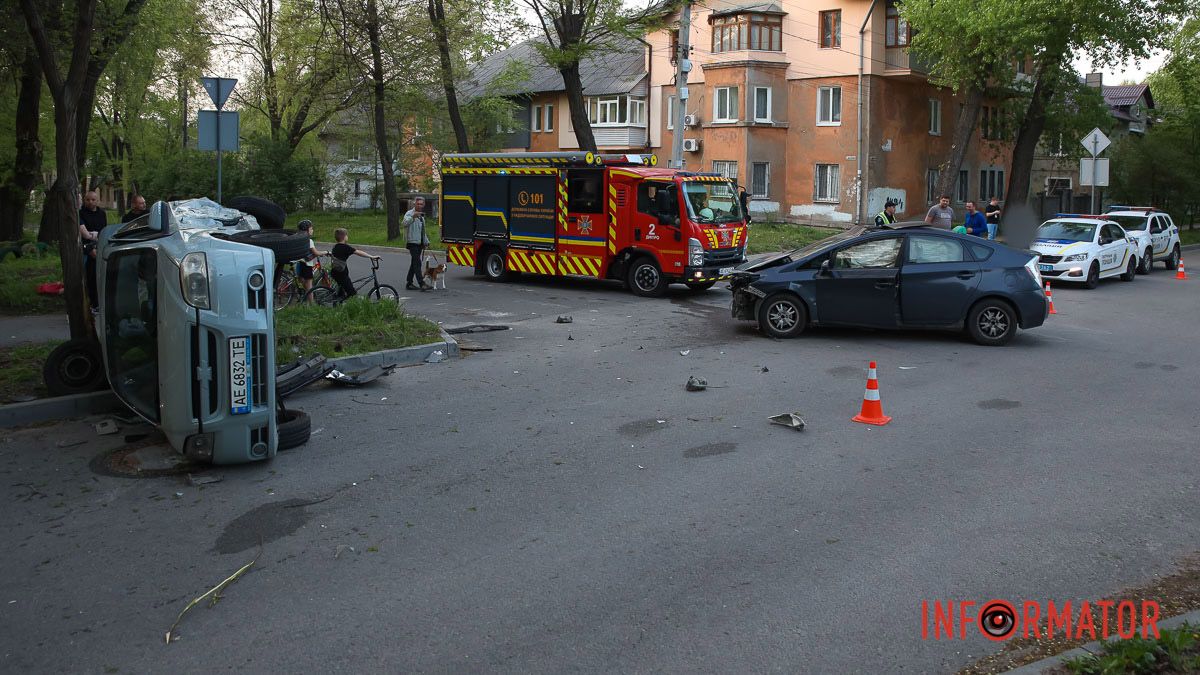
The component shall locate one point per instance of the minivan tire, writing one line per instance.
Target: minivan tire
(287, 246)
(75, 367)
(292, 428)
(270, 216)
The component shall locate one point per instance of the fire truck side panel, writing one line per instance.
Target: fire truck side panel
(458, 208)
(583, 236)
(491, 207)
(531, 222)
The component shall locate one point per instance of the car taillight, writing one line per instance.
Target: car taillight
(1034, 271)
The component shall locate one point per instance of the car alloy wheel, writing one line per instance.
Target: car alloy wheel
(1147, 262)
(782, 315)
(994, 322)
(1172, 263)
(1093, 277)
(1130, 270)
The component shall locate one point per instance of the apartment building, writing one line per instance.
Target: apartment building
(815, 106)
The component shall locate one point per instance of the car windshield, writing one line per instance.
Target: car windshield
(1131, 223)
(1067, 231)
(131, 328)
(710, 203)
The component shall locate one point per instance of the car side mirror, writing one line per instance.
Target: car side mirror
(826, 269)
(1104, 241)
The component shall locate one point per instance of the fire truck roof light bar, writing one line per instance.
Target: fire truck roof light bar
(631, 159)
(504, 159)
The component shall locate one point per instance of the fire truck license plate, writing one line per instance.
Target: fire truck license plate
(724, 271)
(239, 378)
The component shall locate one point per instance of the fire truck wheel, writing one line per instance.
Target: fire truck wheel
(646, 279)
(493, 265)
(700, 286)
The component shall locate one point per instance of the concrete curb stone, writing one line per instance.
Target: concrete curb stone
(1037, 667)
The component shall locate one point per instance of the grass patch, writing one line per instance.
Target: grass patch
(19, 279)
(365, 227)
(1187, 237)
(21, 371)
(772, 237)
(1175, 651)
(353, 327)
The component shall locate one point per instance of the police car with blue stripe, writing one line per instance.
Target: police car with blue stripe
(1085, 250)
(1158, 237)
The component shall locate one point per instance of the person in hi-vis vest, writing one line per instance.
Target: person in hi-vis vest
(887, 216)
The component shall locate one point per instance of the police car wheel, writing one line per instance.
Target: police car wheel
(782, 315)
(1130, 271)
(493, 265)
(1147, 262)
(645, 279)
(1172, 263)
(992, 322)
(1093, 277)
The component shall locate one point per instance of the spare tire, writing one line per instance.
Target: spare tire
(75, 367)
(292, 427)
(287, 246)
(270, 216)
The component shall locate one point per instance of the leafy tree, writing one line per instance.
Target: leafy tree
(20, 174)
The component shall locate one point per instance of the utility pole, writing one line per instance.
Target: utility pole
(682, 67)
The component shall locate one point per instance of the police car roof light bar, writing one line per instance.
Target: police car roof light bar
(1081, 215)
(519, 159)
(1119, 207)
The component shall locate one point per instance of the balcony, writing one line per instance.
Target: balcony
(902, 64)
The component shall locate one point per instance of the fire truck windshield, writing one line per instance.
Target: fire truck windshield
(711, 203)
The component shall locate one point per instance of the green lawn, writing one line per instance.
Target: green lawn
(19, 278)
(21, 371)
(771, 237)
(355, 327)
(1187, 237)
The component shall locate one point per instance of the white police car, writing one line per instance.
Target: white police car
(1155, 232)
(1084, 250)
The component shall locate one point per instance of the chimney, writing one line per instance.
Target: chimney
(1095, 80)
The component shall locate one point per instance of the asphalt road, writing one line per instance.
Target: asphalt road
(563, 504)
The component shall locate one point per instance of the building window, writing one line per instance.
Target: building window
(931, 179)
(537, 118)
(829, 106)
(728, 170)
(831, 29)
(991, 124)
(760, 179)
(897, 30)
(637, 112)
(725, 104)
(935, 117)
(549, 118)
(826, 183)
(670, 112)
(960, 188)
(991, 184)
(616, 110)
(763, 32)
(762, 104)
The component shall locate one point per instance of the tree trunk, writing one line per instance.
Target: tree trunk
(964, 131)
(61, 212)
(391, 200)
(437, 16)
(1029, 133)
(579, 113)
(14, 194)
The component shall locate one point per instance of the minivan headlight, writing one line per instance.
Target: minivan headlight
(193, 278)
(695, 253)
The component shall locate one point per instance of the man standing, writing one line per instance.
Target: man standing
(137, 209)
(417, 240)
(941, 215)
(744, 200)
(993, 216)
(887, 216)
(975, 223)
(92, 221)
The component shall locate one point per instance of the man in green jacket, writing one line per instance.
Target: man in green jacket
(417, 241)
(887, 216)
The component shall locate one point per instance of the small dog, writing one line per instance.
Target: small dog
(434, 272)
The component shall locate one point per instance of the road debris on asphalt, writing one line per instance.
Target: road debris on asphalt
(214, 592)
(563, 318)
(476, 328)
(791, 420)
(70, 444)
(436, 357)
(106, 427)
(765, 369)
(361, 377)
(696, 384)
(684, 352)
(201, 479)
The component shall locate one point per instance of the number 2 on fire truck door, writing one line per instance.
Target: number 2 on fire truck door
(531, 211)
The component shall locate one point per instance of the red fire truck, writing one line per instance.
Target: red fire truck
(586, 215)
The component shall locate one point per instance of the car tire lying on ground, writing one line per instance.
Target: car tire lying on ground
(293, 428)
(75, 367)
(287, 246)
(270, 216)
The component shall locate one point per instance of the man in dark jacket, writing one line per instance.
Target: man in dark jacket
(137, 209)
(92, 221)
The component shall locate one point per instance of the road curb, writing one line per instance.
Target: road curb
(1037, 667)
(1190, 247)
(99, 402)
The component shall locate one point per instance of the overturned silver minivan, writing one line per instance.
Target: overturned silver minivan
(187, 330)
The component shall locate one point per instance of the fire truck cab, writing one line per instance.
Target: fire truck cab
(580, 214)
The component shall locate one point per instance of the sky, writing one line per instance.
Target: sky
(1133, 72)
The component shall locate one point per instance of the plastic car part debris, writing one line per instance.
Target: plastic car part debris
(563, 318)
(360, 377)
(684, 352)
(300, 374)
(436, 357)
(696, 384)
(213, 594)
(106, 427)
(476, 328)
(792, 420)
(196, 480)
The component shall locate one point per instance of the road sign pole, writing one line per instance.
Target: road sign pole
(1095, 143)
(218, 154)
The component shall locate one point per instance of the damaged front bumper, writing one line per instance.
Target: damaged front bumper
(745, 302)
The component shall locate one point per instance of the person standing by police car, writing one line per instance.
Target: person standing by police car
(887, 216)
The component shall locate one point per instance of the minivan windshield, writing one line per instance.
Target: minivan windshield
(711, 203)
(1131, 223)
(1067, 231)
(131, 328)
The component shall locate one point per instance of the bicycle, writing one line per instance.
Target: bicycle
(328, 296)
(289, 288)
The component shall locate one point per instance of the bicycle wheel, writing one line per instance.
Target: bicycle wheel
(384, 292)
(287, 289)
(325, 297)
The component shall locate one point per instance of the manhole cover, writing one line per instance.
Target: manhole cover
(151, 458)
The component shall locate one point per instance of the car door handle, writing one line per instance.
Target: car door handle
(885, 284)
(965, 274)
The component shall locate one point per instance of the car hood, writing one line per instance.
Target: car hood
(1055, 245)
(765, 262)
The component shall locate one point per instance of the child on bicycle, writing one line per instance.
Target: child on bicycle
(304, 270)
(341, 256)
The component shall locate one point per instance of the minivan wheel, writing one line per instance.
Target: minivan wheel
(782, 315)
(493, 265)
(1130, 271)
(75, 367)
(992, 322)
(293, 428)
(1147, 263)
(1093, 277)
(646, 279)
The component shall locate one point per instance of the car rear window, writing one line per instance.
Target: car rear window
(981, 252)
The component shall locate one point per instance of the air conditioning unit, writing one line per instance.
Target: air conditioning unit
(691, 145)
(690, 121)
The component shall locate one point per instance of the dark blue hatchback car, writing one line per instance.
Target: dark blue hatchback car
(904, 276)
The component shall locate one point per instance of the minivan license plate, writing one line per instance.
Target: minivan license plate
(239, 377)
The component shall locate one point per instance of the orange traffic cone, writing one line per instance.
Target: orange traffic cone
(1050, 298)
(872, 410)
(1180, 274)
